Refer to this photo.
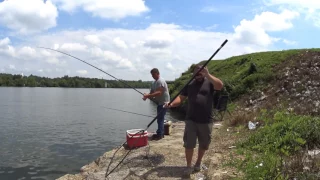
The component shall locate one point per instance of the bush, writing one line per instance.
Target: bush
(287, 134)
(283, 135)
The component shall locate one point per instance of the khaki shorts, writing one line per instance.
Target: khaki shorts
(193, 131)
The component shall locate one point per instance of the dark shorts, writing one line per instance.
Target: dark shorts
(194, 131)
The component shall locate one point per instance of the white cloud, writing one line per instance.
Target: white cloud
(308, 4)
(4, 42)
(28, 16)
(11, 66)
(93, 39)
(120, 43)
(212, 27)
(158, 27)
(56, 46)
(107, 55)
(159, 39)
(175, 70)
(125, 63)
(170, 67)
(5, 47)
(53, 61)
(45, 53)
(311, 8)
(73, 47)
(27, 52)
(288, 42)
(255, 31)
(221, 9)
(111, 58)
(82, 72)
(56, 61)
(270, 21)
(109, 9)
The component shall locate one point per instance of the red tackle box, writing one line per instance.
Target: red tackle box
(135, 139)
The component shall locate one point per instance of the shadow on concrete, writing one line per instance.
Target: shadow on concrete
(153, 159)
(163, 172)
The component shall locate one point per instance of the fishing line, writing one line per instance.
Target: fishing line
(127, 112)
(96, 68)
(108, 108)
(204, 65)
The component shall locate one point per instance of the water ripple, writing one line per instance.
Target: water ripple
(48, 132)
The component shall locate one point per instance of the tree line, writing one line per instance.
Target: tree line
(16, 80)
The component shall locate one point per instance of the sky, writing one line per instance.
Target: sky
(127, 38)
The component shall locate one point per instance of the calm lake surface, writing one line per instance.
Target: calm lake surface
(48, 132)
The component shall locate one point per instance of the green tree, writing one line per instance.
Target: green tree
(31, 82)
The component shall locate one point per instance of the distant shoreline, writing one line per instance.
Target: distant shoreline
(16, 80)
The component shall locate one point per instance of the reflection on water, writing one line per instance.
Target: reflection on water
(28, 172)
(48, 132)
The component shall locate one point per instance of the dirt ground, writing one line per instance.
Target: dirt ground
(164, 159)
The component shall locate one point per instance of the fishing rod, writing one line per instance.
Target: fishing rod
(96, 68)
(204, 65)
(127, 112)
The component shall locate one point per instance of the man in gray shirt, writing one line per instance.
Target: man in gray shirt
(160, 94)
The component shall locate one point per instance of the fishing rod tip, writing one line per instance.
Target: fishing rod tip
(225, 42)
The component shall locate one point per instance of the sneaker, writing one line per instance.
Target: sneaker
(187, 172)
(197, 167)
(157, 137)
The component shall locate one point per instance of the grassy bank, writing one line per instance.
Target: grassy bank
(278, 148)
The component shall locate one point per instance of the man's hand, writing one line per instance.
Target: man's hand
(205, 72)
(166, 105)
(156, 93)
(217, 83)
(145, 96)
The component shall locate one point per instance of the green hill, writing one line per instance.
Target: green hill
(237, 72)
(248, 73)
(279, 91)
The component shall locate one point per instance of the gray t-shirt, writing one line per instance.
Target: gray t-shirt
(165, 97)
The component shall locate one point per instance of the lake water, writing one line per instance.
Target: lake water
(48, 132)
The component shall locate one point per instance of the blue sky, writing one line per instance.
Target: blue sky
(128, 38)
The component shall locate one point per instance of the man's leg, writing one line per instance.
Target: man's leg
(160, 120)
(201, 152)
(189, 154)
(190, 140)
(204, 135)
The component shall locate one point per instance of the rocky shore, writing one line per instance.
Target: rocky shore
(162, 159)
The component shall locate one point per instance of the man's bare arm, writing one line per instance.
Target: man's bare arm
(176, 102)
(217, 83)
(157, 92)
